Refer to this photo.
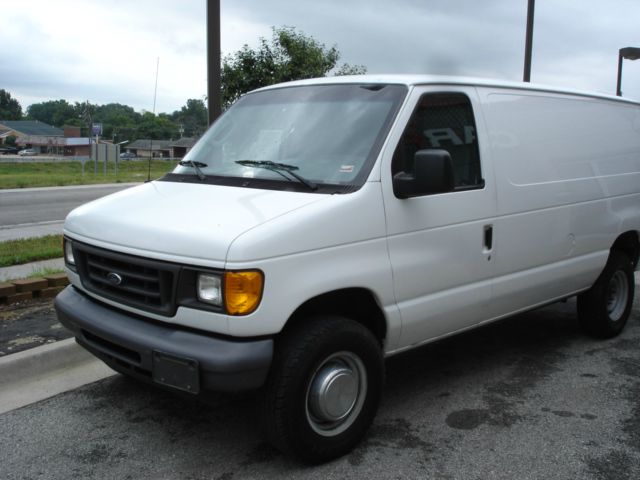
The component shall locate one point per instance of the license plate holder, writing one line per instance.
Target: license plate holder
(177, 372)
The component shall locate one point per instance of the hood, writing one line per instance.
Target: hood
(180, 221)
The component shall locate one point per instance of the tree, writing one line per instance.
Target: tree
(119, 122)
(156, 127)
(54, 112)
(193, 117)
(289, 55)
(10, 108)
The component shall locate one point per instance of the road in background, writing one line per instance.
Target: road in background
(527, 398)
(32, 212)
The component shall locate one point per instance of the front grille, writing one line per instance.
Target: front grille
(138, 282)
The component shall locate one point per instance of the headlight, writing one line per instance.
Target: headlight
(242, 291)
(68, 253)
(237, 292)
(210, 289)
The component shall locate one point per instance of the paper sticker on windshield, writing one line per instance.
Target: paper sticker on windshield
(346, 169)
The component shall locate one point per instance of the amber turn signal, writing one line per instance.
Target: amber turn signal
(242, 291)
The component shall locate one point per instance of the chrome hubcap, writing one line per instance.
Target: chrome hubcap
(617, 295)
(333, 393)
(336, 393)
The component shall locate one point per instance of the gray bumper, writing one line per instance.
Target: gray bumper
(128, 344)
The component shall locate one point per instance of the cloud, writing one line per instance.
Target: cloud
(106, 51)
(575, 43)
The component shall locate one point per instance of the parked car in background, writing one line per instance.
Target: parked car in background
(127, 156)
(8, 150)
(27, 152)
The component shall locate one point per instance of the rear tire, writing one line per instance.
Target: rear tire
(603, 310)
(324, 388)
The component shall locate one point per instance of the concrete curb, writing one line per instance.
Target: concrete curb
(42, 372)
(26, 270)
(39, 360)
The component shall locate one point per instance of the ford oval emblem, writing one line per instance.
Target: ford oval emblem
(114, 279)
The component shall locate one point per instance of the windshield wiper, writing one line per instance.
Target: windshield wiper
(278, 168)
(196, 166)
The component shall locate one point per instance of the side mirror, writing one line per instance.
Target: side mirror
(432, 173)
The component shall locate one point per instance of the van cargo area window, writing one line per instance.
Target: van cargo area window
(443, 121)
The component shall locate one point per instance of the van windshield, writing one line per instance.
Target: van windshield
(327, 135)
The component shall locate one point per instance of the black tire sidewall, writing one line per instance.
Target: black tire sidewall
(340, 335)
(592, 305)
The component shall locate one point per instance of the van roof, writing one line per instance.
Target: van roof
(415, 80)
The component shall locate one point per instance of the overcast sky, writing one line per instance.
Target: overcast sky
(106, 51)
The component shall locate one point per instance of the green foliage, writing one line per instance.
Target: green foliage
(54, 174)
(156, 127)
(346, 69)
(119, 122)
(53, 112)
(43, 272)
(289, 55)
(17, 252)
(10, 108)
(193, 117)
(10, 141)
(122, 122)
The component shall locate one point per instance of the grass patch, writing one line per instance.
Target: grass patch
(25, 250)
(36, 273)
(43, 272)
(56, 174)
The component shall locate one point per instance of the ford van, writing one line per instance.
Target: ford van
(321, 226)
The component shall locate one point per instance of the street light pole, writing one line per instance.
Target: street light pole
(630, 53)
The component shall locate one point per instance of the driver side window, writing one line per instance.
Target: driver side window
(443, 121)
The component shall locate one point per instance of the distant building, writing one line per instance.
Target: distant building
(182, 146)
(161, 148)
(4, 134)
(22, 128)
(150, 148)
(44, 138)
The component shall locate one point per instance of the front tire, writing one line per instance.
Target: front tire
(324, 388)
(603, 310)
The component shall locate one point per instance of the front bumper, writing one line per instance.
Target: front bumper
(133, 345)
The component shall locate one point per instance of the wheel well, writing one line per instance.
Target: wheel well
(358, 304)
(628, 243)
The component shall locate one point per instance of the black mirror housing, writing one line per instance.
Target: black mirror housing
(432, 173)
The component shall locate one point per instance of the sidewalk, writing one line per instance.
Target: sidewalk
(38, 357)
(23, 271)
(42, 372)
(40, 229)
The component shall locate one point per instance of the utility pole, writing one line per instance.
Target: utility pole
(529, 41)
(214, 103)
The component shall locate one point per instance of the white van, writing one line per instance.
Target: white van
(322, 225)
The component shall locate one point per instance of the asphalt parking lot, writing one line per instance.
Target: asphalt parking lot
(527, 398)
